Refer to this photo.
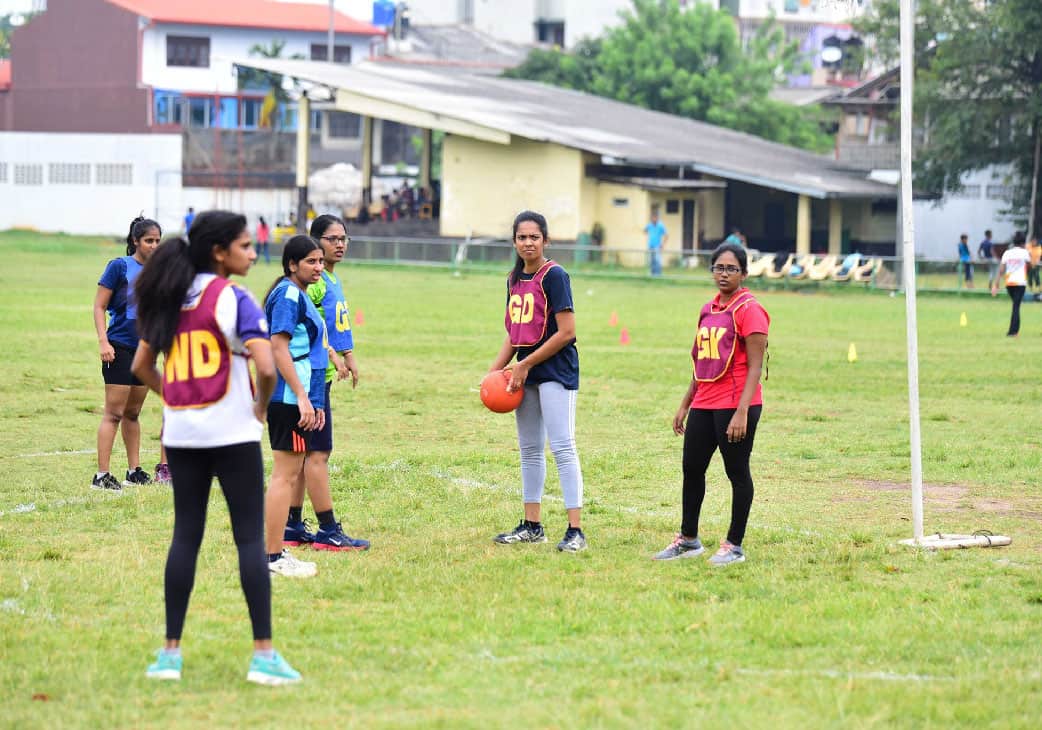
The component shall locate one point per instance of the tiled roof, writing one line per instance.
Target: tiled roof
(247, 14)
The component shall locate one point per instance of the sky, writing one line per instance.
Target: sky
(16, 6)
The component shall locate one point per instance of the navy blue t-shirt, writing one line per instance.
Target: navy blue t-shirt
(119, 277)
(563, 367)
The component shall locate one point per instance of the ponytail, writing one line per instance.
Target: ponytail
(139, 227)
(162, 285)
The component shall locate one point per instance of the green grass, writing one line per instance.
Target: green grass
(829, 624)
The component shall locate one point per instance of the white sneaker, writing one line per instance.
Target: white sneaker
(290, 567)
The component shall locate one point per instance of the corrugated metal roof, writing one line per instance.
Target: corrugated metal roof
(614, 130)
(247, 14)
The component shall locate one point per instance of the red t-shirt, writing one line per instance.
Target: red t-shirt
(726, 392)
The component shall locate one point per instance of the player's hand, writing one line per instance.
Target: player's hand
(679, 420)
(108, 352)
(320, 420)
(307, 415)
(519, 374)
(260, 412)
(737, 427)
(352, 368)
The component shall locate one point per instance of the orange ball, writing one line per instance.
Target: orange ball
(494, 392)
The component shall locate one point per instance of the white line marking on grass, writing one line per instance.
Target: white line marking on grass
(837, 674)
(78, 452)
(22, 509)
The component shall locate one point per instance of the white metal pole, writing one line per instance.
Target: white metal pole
(330, 41)
(908, 261)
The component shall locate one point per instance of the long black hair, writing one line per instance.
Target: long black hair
(323, 223)
(163, 283)
(523, 216)
(294, 251)
(139, 227)
(738, 251)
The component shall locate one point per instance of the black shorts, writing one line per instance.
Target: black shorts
(323, 440)
(118, 372)
(283, 432)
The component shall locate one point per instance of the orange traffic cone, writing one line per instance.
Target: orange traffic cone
(359, 318)
(613, 320)
(624, 337)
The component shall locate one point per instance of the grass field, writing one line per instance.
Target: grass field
(828, 624)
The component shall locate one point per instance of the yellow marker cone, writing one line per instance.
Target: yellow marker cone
(962, 320)
(852, 353)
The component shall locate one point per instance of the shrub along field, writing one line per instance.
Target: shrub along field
(829, 623)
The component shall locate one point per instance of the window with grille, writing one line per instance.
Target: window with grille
(999, 192)
(28, 174)
(344, 125)
(68, 173)
(320, 52)
(114, 173)
(187, 51)
(968, 192)
(3, 172)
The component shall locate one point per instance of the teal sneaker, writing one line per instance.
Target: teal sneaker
(166, 666)
(272, 671)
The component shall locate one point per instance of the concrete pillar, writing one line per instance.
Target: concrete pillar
(425, 159)
(303, 160)
(835, 225)
(803, 224)
(367, 161)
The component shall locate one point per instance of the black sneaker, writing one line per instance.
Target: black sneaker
(573, 541)
(524, 532)
(106, 482)
(137, 478)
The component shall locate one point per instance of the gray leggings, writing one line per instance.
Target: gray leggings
(548, 410)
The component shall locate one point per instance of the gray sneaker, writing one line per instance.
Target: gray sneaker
(727, 554)
(573, 541)
(522, 533)
(680, 548)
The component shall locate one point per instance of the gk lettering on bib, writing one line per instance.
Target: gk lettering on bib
(197, 369)
(716, 339)
(527, 309)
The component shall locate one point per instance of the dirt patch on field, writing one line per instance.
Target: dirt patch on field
(934, 492)
(941, 497)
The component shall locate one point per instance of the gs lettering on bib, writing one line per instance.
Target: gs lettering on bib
(716, 339)
(527, 309)
(197, 369)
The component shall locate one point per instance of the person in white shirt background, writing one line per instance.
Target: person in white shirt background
(1015, 264)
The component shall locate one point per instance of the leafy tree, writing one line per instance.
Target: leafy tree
(691, 63)
(978, 91)
(8, 24)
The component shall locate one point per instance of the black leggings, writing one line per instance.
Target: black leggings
(1016, 293)
(706, 432)
(241, 473)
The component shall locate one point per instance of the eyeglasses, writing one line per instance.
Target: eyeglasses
(719, 269)
(337, 239)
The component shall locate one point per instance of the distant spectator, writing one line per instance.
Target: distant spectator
(736, 238)
(657, 237)
(264, 239)
(965, 261)
(1015, 265)
(985, 252)
(1035, 252)
(189, 217)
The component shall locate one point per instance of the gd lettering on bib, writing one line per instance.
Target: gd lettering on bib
(527, 309)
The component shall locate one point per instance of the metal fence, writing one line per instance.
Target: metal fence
(498, 255)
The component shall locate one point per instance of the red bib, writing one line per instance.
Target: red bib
(197, 369)
(526, 309)
(716, 340)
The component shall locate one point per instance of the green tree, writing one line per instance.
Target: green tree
(978, 91)
(9, 23)
(691, 63)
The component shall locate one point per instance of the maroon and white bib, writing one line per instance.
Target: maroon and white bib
(527, 309)
(197, 369)
(717, 339)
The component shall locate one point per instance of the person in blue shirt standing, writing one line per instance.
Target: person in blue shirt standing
(117, 343)
(296, 410)
(965, 261)
(327, 294)
(657, 237)
(985, 253)
(189, 217)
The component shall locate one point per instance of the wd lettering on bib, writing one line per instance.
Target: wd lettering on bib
(197, 368)
(716, 339)
(526, 309)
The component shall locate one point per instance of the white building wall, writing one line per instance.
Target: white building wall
(87, 183)
(226, 44)
(973, 211)
(815, 11)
